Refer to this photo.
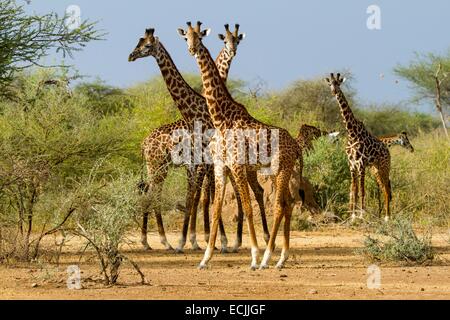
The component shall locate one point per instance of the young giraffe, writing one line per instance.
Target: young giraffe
(231, 117)
(363, 150)
(157, 147)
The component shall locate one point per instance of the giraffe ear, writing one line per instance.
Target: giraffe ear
(241, 36)
(327, 80)
(221, 36)
(343, 80)
(156, 40)
(205, 32)
(181, 32)
(404, 133)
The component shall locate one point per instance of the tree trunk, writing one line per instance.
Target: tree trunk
(438, 99)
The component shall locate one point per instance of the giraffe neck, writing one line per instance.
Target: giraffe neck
(219, 101)
(391, 141)
(223, 63)
(347, 115)
(178, 88)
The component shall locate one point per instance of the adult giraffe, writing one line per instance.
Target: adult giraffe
(158, 146)
(233, 122)
(363, 150)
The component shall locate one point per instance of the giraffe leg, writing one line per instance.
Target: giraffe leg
(382, 177)
(240, 216)
(207, 200)
(223, 237)
(191, 173)
(154, 195)
(362, 192)
(200, 177)
(259, 195)
(280, 211)
(144, 231)
(353, 194)
(220, 176)
(159, 221)
(287, 229)
(240, 175)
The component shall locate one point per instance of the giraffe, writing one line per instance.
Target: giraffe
(363, 150)
(232, 118)
(157, 147)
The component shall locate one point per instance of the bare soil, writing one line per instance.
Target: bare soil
(323, 265)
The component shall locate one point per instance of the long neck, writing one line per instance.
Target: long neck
(178, 88)
(218, 98)
(223, 63)
(346, 112)
(391, 140)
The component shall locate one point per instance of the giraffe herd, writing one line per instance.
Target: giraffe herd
(238, 146)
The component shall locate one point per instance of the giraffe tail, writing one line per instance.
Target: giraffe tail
(142, 185)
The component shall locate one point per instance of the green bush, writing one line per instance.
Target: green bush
(327, 168)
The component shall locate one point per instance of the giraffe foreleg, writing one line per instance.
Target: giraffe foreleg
(144, 227)
(353, 194)
(240, 175)
(220, 176)
(191, 174)
(362, 192)
(240, 216)
(199, 178)
(258, 191)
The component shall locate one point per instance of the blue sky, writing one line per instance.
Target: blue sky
(285, 40)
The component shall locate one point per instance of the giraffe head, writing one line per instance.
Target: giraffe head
(404, 141)
(231, 39)
(311, 131)
(147, 46)
(335, 82)
(193, 36)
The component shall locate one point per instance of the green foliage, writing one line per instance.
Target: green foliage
(382, 120)
(327, 169)
(48, 143)
(26, 39)
(397, 241)
(104, 99)
(421, 72)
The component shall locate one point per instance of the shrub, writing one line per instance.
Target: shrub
(397, 241)
(107, 216)
(326, 167)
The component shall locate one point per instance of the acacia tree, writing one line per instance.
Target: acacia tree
(430, 77)
(26, 39)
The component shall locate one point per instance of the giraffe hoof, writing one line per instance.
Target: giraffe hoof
(263, 267)
(147, 247)
(224, 250)
(280, 266)
(253, 267)
(234, 250)
(202, 266)
(179, 250)
(197, 248)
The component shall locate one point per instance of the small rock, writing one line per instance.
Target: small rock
(313, 291)
(34, 285)
(283, 276)
(422, 289)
